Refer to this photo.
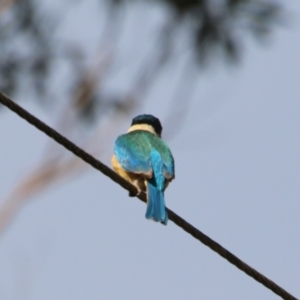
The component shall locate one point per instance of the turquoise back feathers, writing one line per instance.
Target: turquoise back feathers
(133, 153)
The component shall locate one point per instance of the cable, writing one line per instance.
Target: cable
(197, 234)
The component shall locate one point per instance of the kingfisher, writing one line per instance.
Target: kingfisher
(144, 159)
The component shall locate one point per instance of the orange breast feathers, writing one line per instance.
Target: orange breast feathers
(138, 180)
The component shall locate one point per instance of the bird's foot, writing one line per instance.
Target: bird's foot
(134, 194)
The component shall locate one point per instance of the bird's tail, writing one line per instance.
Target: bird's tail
(156, 209)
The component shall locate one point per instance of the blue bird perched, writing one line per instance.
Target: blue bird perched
(144, 159)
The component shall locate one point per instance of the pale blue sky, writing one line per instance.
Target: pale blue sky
(237, 180)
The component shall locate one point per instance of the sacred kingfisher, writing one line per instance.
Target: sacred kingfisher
(144, 159)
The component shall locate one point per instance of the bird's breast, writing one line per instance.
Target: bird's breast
(136, 179)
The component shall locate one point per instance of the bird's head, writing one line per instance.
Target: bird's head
(146, 122)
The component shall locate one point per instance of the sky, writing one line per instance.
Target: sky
(237, 180)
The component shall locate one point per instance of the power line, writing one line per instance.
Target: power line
(197, 234)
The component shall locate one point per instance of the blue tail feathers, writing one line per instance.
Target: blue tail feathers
(156, 209)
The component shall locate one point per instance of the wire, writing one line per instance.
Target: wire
(197, 234)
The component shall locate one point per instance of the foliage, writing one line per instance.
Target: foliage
(31, 52)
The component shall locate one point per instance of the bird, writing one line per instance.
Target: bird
(145, 160)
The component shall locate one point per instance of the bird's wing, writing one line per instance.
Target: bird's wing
(167, 157)
(133, 153)
(169, 166)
